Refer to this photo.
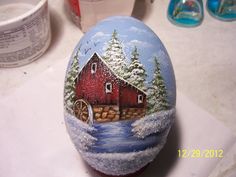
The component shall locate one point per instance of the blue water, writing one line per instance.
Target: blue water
(118, 137)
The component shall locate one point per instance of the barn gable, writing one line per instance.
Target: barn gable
(97, 84)
(98, 57)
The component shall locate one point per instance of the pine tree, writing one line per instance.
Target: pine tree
(114, 55)
(69, 91)
(157, 95)
(136, 74)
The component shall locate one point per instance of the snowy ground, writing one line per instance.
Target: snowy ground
(79, 132)
(121, 163)
(153, 123)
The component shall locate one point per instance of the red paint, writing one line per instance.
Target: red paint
(74, 5)
(129, 97)
(190, 3)
(91, 87)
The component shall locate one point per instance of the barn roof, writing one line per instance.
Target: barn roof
(100, 58)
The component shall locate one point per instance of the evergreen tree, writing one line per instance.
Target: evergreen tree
(70, 84)
(136, 74)
(114, 55)
(157, 95)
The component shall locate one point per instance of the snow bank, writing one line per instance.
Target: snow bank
(153, 123)
(122, 163)
(79, 132)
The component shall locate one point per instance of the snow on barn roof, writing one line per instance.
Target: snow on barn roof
(120, 78)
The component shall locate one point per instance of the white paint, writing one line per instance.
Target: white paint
(153, 123)
(24, 32)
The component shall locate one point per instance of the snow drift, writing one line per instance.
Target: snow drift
(121, 163)
(79, 132)
(153, 123)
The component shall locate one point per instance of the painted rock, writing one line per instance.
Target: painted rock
(119, 96)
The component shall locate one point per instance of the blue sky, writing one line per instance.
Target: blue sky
(131, 32)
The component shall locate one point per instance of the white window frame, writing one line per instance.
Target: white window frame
(93, 70)
(140, 98)
(106, 89)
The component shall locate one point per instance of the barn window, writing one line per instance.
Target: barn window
(108, 87)
(140, 98)
(93, 68)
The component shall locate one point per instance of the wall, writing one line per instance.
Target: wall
(111, 113)
(91, 87)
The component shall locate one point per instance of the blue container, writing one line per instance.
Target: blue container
(222, 9)
(187, 13)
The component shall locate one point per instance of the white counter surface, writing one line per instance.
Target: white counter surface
(33, 138)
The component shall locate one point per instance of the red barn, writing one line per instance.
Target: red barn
(110, 97)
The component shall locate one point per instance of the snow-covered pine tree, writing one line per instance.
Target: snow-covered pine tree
(157, 95)
(114, 55)
(136, 74)
(69, 91)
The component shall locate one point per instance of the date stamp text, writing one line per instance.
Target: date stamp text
(198, 153)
